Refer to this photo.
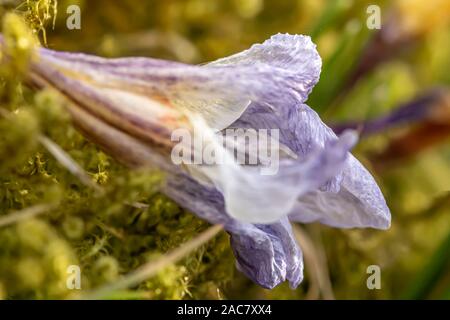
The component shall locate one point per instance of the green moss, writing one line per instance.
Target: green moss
(19, 43)
(34, 261)
(38, 14)
(18, 138)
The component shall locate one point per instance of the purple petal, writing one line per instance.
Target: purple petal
(252, 197)
(282, 257)
(358, 204)
(127, 93)
(284, 68)
(351, 198)
(291, 63)
(267, 254)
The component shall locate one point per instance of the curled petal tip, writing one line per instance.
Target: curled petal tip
(349, 138)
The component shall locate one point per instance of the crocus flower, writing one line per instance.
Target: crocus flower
(130, 107)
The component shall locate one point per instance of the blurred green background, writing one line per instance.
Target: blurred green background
(366, 74)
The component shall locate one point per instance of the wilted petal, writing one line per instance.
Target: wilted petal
(275, 243)
(351, 198)
(278, 73)
(283, 68)
(256, 198)
(267, 254)
(282, 231)
(259, 255)
(135, 95)
(358, 204)
(141, 116)
(291, 63)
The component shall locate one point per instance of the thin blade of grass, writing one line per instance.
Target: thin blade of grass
(316, 264)
(153, 267)
(24, 214)
(67, 162)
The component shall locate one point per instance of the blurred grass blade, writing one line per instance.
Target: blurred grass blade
(434, 276)
(332, 12)
(337, 68)
(24, 214)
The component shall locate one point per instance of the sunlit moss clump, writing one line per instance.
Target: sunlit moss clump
(38, 14)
